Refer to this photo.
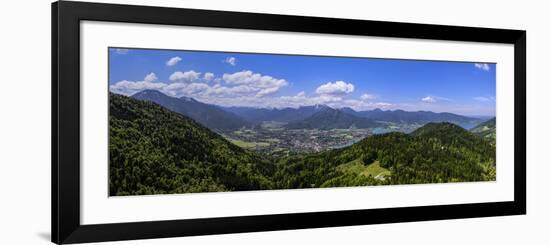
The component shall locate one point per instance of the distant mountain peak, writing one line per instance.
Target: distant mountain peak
(208, 115)
(315, 107)
(187, 99)
(320, 106)
(148, 92)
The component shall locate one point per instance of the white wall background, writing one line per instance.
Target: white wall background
(25, 121)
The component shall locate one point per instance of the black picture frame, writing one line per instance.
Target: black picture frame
(66, 18)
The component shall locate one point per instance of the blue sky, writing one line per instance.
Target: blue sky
(265, 80)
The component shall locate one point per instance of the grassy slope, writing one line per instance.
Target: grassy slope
(357, 167)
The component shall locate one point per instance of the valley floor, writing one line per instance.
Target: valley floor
(273, 139)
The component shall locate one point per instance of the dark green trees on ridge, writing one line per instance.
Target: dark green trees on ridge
(155, 151)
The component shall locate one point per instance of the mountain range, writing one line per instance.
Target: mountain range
(329, 118)
(303, 113)
(304, 117)
(210, 116)
(417, 117)
(259, 115)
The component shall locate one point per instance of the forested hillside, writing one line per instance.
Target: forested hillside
(154, 151)
(486, 130)
(437, 152)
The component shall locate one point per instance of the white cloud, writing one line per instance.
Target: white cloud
(484, 99)
(264, 85)
(188, 76)
(121, 51)
(360, 105)
(368, 97)
(151, 77)
(173, 61)
(194, 88)
(243, 77)
(433, 99)
(231, 60)
(131, 87)
(193, 83)
(298, 98)
(428, 99)
(267, 91)
(244, 88)
(208, 76)
(224, 91)
(482, 66)
(301, 99)
(240, 95)
(335, 88)
(382, 104)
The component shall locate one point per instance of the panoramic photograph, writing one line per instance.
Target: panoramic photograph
(185, 121)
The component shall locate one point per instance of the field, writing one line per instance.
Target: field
(249, 145)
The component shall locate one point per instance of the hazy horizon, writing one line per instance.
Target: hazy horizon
(280, 108)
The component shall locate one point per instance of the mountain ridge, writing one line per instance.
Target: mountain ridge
(211, 116)
(287, 114)
(486, 129)
(232, 118)
(153, 150)
(420, 117)
(330, 118)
